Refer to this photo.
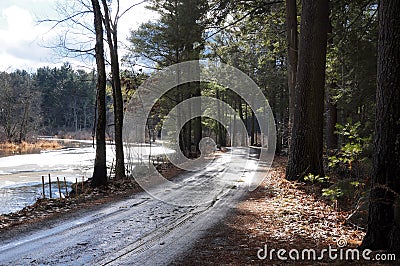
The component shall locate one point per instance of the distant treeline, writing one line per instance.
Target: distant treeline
(50, 101)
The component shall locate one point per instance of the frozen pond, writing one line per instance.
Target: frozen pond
(20, 175)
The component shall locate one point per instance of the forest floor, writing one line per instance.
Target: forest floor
(277, 215)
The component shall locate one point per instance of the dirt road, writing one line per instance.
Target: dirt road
(140, 230)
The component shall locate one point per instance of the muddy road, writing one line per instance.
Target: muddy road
(140, 230)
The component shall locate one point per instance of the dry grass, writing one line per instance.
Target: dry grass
(40, 144)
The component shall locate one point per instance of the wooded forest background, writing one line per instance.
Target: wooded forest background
(253, 39)
(315, 61)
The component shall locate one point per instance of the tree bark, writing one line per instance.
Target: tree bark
(306, 146)
(100, 168)
(243, 134)
(197, 126)
(111, 30)
(331, 105)
(384, 210)
(192, 12)
(331, 121)
(292, 42)
(220, 138)
(253, 131)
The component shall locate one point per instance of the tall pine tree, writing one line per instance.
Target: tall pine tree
(306, 145)
(384, 210)
(176, 37)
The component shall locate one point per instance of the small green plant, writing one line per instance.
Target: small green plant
(351, 151)
(332, 193)
(357, 184)
(316, 178)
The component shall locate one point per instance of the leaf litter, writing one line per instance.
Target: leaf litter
(281, 215)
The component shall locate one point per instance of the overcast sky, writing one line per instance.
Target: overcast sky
(23, 40)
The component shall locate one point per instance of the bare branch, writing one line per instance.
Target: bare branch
(58, 22)
(132, 6)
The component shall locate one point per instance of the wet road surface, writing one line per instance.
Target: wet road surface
(140, 230)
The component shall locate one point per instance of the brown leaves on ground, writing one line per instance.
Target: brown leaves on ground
(279, 214)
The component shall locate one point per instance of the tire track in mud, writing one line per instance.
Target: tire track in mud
(150, 240)
(130, 232)
(156, 237)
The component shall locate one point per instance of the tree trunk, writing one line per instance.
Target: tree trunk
(234, 126)
(384, 210)
(246, 118)
(331, 105)
(22, 132)
(292, 40)
(273, 103)
(100, 167)
(189, 126)
(306, 146)
(243, 133)
(197, 126)
(253, 131)
(331, 121)
(192, 12)
(111, 30)
(220, 139)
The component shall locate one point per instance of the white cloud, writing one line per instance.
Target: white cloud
(19, 46)
(20, 23)
(22, 39)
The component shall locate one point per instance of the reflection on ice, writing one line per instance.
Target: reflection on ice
(15, 197)
(20, 175)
